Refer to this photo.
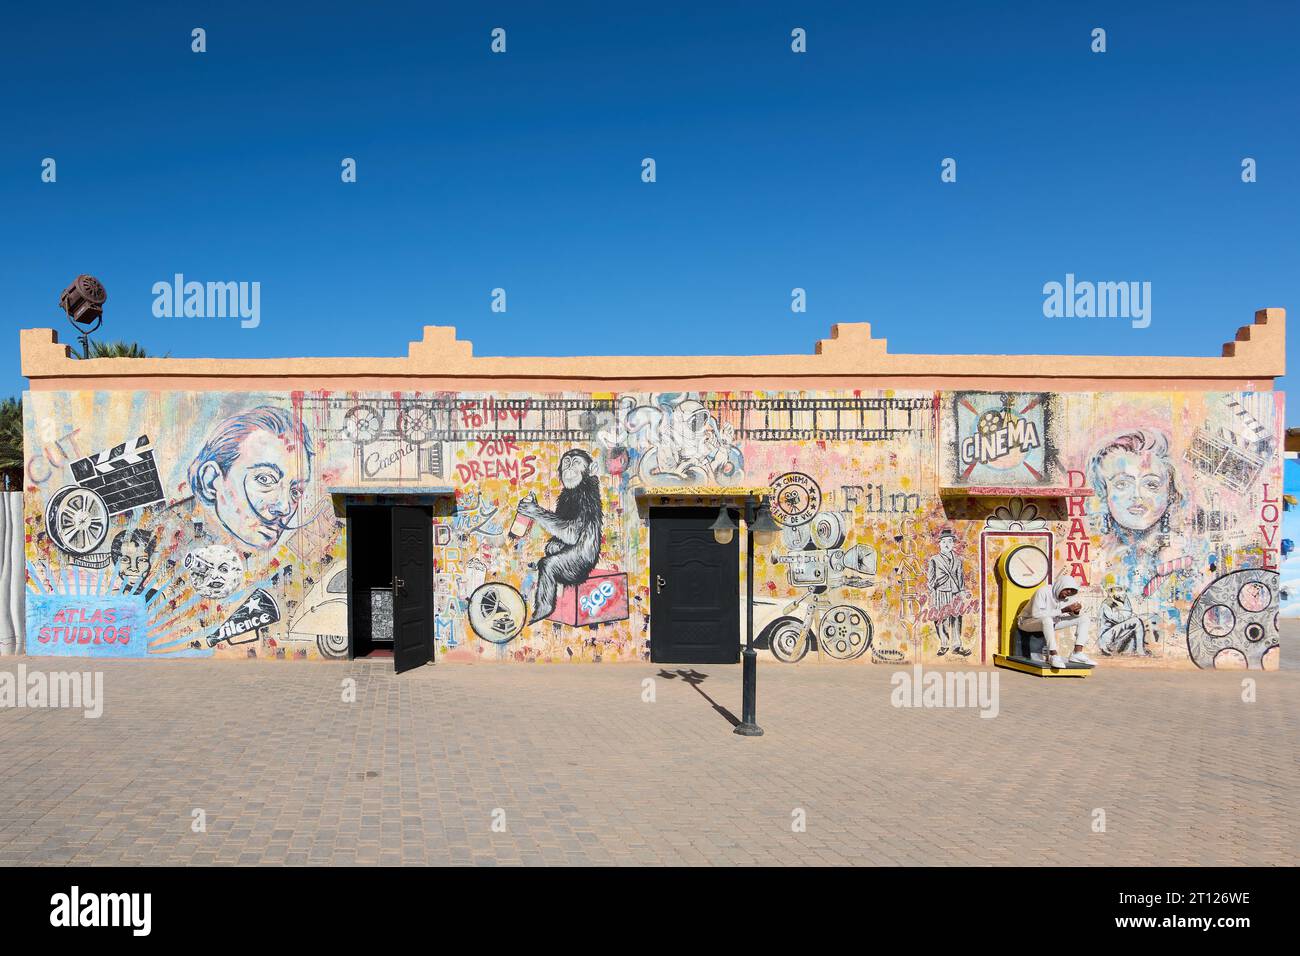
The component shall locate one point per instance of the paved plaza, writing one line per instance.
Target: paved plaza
(574, 766)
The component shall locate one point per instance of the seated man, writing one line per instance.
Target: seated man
(1120, 626)
(1051, 608)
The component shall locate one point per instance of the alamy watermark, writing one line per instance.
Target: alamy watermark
(208, 300)
(80, 690)
(941, 689)
(75, 909)
(1098, 300)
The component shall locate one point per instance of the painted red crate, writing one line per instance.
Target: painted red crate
(598, 600)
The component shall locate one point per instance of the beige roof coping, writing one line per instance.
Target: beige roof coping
(1257, 353)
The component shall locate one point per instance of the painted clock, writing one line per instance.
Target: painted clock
(1027, 566)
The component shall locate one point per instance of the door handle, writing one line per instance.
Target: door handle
(399, 585)
(659, 583)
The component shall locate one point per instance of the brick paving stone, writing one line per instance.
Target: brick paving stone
(417, 769)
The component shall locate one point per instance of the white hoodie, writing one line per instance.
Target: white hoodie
(1047, 601)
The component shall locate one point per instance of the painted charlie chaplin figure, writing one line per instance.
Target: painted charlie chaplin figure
(945, 579)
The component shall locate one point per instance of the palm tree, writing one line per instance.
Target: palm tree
(11, 444)
(117, 350)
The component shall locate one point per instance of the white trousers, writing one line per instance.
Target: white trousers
(1048, 627)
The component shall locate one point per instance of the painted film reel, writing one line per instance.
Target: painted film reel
(76, 519)
(1234, 620)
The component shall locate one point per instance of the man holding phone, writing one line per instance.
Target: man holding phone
(1055, 607)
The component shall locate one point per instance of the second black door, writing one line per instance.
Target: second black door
(412, 587)
(694, 589)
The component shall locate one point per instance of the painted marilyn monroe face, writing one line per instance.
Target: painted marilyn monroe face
(1137, 488)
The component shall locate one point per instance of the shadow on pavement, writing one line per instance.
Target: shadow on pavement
(695, 679)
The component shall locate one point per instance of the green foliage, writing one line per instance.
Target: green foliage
(11, 444)
(117, 350)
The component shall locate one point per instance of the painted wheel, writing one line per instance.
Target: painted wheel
(1233, 622)
(497, 612)
(787, 639)
(415, 424)
(845, 632)
(829, 529)
(362, 424)
(77, 520)
(333, 646)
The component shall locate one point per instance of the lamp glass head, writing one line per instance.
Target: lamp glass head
(723, 528)
(764, 528)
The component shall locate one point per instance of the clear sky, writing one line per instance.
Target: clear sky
(775, 170)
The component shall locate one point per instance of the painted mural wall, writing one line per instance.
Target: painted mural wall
(195, 524)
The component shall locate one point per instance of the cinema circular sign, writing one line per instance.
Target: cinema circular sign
(796, 499)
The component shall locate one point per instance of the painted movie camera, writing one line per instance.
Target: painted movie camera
(817, 560)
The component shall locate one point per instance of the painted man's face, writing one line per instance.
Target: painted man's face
(259, 496)
(1116, 595)
(1137, 488)
(134, 564)
(946, 545)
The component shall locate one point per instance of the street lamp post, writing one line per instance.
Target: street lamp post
(758, 521)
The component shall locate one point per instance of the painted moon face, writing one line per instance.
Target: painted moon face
(1027, 566)
(214, 571)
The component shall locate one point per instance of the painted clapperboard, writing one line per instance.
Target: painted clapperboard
(124, 476)
(1234, 456)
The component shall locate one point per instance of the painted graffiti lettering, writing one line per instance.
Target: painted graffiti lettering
(954, 608)
(477, 414)
(1014, 433)
(105, 633)
(1077, 543)
(876, 499)
(593, 602)
(42, 471)
(85, 635)
(235, 628)
(79, 616)
(375, 463)
(498, 458)
(1268, 516)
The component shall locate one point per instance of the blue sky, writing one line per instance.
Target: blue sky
(775, 171)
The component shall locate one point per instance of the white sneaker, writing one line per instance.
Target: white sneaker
(1079, 657)
(1058, 662)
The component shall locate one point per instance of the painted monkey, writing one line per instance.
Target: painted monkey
(574, 526)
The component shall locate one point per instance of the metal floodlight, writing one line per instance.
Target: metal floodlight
(723, 528)
(763, 527)
(83, 301)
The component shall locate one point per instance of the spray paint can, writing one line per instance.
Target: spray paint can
(522, 523)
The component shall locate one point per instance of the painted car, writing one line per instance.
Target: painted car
(323, 614)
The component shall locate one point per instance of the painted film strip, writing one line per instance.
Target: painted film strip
(833, 419)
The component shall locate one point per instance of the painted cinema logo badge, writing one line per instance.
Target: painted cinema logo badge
(242, 627)
(1001, 440)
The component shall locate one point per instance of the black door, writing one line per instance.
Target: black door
(412, 587)
(694, 589)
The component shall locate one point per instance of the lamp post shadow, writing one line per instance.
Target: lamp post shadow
(695, 679)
